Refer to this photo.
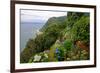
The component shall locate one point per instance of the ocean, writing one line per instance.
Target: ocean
(28, 31)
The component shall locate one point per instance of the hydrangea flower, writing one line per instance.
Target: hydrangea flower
(57, 50)
(37, 58)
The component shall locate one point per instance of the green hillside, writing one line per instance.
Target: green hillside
(64, 38)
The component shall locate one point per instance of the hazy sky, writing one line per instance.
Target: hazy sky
(40, 16)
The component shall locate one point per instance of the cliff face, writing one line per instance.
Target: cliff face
(54, 20)
(73, 27)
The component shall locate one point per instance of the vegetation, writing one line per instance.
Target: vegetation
(64, 38)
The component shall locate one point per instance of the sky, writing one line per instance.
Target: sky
(40, 16)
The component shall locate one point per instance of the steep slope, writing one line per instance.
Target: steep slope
(62, 32)
(54, 20)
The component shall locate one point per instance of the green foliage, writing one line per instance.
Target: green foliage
(55, 21)
(25, 55)
(72, 17)
(67, 44)
(59, 54)
(31, 59)
(80, 29)
(59, 32)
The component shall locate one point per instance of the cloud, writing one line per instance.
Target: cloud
(39, 16)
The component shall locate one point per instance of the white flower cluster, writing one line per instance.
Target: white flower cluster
(37, 58)
(40, 57)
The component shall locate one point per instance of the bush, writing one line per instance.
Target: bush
(67, 45)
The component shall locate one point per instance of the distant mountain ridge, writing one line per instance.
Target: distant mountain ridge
(51, 20)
